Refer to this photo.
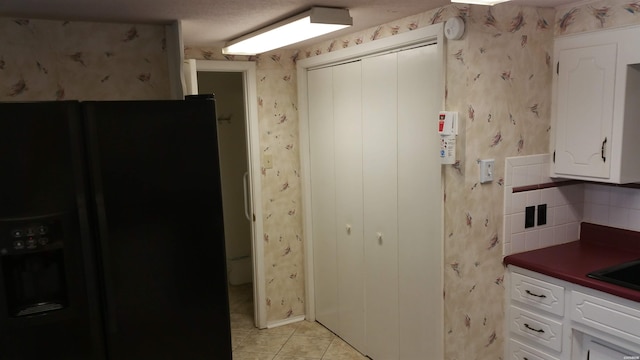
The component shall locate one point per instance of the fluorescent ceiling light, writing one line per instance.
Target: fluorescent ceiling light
(480, 2)
(314, 22)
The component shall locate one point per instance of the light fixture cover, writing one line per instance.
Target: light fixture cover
(309, 24)
(480, 2)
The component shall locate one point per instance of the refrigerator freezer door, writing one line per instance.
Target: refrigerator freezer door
(155, 174)
(48, 306)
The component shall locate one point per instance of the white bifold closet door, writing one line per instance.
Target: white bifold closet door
(377, 202)
(335, 130)
(323, 197)
(349, 202)
(420, 205)
(380, 179)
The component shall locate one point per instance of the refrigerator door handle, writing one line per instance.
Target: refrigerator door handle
(101, 224)
(103, 239)
(245, 181)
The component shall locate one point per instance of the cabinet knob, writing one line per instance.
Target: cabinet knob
(348, 227)
(380, 238)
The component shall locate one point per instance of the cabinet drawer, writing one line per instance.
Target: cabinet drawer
(537, 328)
(520, 351)
(612, 318)
(540, 294)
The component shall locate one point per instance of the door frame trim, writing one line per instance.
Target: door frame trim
(432, 34)
(248, 70)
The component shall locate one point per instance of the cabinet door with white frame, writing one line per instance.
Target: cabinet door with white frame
(585, 94)
(594, 127)
(599, 350)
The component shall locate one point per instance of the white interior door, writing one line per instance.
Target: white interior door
(248, 69)
(380, 152)
(347, 101)
(419, 205)
(323, 201)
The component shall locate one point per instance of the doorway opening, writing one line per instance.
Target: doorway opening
(233, 84)
(232, 144)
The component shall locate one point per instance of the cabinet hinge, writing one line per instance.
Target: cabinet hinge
(554, 156)
(558, 68)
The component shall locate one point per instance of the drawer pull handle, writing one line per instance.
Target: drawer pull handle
(536, 295)
(534, 329)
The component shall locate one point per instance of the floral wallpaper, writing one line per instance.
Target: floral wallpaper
(572, 19)
(62, 60)
(499, 80)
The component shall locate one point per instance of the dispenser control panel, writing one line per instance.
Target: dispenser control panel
(28, 234)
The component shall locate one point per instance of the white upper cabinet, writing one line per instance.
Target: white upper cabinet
(585, 110)
(596, 109)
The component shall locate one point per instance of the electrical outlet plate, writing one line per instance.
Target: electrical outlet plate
(486, 170)
(542, 214)
(529, 217)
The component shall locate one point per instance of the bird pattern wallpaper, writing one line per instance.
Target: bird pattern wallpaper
(68, 60)
(498, 78)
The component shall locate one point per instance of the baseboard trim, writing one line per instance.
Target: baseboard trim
(291, 320)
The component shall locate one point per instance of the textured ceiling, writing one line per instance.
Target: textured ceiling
(213, 22)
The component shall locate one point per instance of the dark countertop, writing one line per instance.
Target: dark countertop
(599, 247)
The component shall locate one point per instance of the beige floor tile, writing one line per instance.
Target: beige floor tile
(237, 336)
(340, 350)
(243, 355)
(294, 357)
(284, 330)
(242, 322)
(313, 329)
(306, 346)
(259, 342)
(302, 340)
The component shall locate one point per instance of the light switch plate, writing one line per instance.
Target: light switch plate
(486, 170)
(267, 161)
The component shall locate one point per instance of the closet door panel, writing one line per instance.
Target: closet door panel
(347, 101)
(419, 204)
(379, 96)
(323, 202)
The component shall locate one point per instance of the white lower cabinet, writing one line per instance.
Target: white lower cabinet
(551, 319)
(520, 351)
(620, 320)
(597, 350)
(537, 328)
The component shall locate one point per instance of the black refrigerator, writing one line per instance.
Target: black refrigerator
(111, 232)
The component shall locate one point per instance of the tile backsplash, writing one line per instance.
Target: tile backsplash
(565, 206)
(612, 206)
